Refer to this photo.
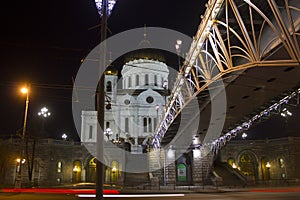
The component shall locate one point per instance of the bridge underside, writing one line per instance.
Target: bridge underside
(248, 92)
(251, 92)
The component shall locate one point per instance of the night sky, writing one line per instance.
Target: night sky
(43, 42)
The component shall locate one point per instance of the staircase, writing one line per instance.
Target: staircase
(231, 177)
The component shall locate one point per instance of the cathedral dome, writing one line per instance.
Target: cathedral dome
(144, 69)
(146, 54)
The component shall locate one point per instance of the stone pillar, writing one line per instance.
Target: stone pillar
(197, 165)
(170, 167)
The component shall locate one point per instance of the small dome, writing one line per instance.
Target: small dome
(146, 54)
(111, 72)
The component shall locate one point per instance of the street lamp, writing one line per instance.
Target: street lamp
(44, 113)
(18, 181)
(64, 136)
(268, 166)
(108, 132)
(244, 135)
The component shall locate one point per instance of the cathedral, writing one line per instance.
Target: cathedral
(136, 101)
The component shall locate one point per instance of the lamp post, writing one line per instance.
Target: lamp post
(25, 90)
(18, 181)
(104, 8)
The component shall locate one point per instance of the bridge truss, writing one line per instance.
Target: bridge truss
(234, 35)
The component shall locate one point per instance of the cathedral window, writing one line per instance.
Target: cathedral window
(146, 79)
(126, 125)
(127, 102)
(137, 80)
(148, 125)
(108, 86)
(155, 80)
(145, 124)
(90, 132)
(149, 99)
(129, 82)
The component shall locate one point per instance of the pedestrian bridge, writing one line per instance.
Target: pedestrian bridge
(246, 55)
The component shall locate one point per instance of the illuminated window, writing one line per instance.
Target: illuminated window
(281, 163)
(59, 167)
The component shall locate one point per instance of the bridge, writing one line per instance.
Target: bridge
(245, 55)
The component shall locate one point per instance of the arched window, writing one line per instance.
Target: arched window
(126, 125)
(114, 171)
(76, 171)
(108, 86)
(59, 167)
(137, 80)
(90, 132)
(146, 79)
(129, 82)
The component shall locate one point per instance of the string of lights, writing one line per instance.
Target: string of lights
(217, 144)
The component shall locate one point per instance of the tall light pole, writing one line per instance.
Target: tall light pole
(104, 8)
(25, 90)
(18, 181)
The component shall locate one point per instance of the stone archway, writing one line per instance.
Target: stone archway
(91, 170)
(248, 165)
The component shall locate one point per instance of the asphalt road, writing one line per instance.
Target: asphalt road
(210, 196)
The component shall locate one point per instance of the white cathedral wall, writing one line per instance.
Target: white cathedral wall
(138, 109)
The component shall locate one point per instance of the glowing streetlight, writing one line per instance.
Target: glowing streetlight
(44, 112)
(64, 136)
(108, 132)
(234, 166)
